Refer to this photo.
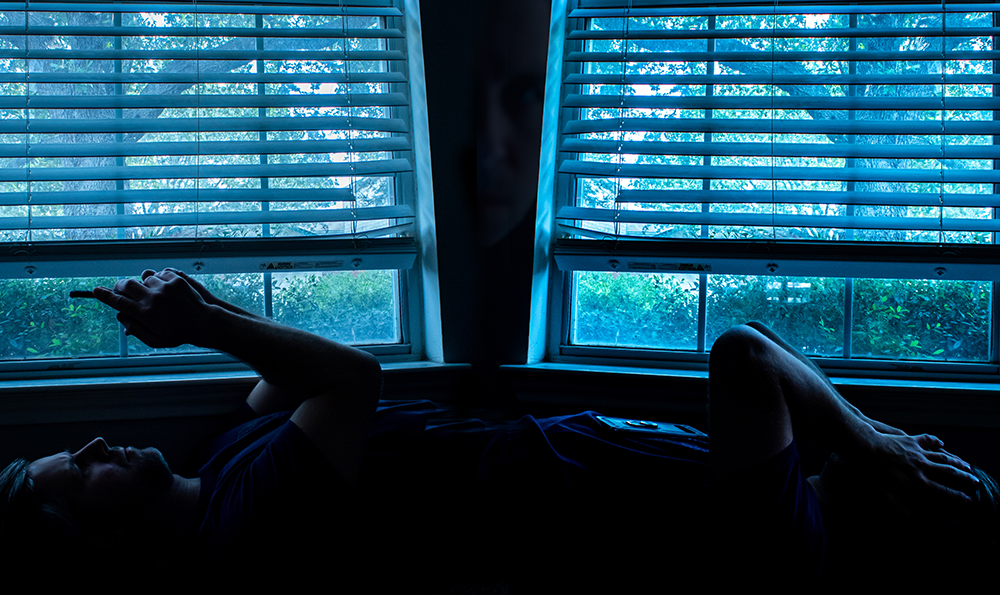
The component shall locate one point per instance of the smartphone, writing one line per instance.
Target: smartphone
(651, 429)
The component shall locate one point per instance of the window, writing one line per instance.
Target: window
(830, 171)
(267, 148)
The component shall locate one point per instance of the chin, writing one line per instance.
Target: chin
(154, 471)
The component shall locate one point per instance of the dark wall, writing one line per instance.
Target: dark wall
(449, 65)
(485, 85)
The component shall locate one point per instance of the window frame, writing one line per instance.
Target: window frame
(413, 259)
(558, 259)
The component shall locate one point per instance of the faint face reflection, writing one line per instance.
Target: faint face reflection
(511, 92)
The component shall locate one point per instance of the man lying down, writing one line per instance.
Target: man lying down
(291, 483)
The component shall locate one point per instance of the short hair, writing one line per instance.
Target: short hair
(17, 498)
(28, 525)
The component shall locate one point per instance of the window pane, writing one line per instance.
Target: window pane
(648, 310)
(356, 307)
(915, 319)
(38, 319)
(807, 311)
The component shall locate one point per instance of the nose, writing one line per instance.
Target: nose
(96, 450)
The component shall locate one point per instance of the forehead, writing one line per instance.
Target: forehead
(53, 475)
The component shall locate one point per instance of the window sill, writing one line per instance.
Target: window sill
(187, 394)
(684, 392)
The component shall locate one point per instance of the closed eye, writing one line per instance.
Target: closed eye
(74, 468)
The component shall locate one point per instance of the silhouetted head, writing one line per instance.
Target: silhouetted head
(78, 505)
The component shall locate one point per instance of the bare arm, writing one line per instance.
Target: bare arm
(332, 388)
(762, 393)
(777, 340)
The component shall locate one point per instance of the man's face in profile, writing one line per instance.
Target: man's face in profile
(102, 484)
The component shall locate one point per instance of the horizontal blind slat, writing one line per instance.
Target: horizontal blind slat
(52, 102)
(778, 78)
(330, 32)
(83, 197)
(810, 197)
(163, 172)
(219, 218)
(785, 56)
(861, 151)
(234, 55)
(776, 220)
(613, 8)
(785, 102)
(788, 126)
(781, 33)
(200, 77)
(143, 125)
(736, 172)
(136, 149)
(303, 7)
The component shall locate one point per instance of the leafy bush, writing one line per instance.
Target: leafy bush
(636, 310)
(894, 319)
(38, 319)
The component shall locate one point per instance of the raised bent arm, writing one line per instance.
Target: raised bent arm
(763, 393)
(333, 389)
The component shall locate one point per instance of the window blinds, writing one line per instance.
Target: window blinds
(781, 122)
(181, 120)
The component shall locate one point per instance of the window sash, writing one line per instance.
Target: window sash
(589, 149)
(317, 150)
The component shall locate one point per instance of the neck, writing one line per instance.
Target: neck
(173, 516)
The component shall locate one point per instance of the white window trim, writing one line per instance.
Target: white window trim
(548, 347)
(419, 305)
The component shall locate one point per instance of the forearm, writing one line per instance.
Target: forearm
(811, 365)
(288, 359)
(762, 396)
(819, 411)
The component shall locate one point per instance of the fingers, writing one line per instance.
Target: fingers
(205, 294)
(117, 300)
(950, 476)
(929, 442)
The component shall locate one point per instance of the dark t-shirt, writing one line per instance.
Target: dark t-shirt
(555, 499)
(267, 491)
(770, 523)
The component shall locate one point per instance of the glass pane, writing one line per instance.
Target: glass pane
(916, 319)
(38, 319)
(356, 307)
(647, 310)
(808, 312)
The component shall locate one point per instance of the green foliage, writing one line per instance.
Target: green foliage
(636, 310)
(911, 319)
(38, 319)
(355, 307)
(807, 312)
(893, 319)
